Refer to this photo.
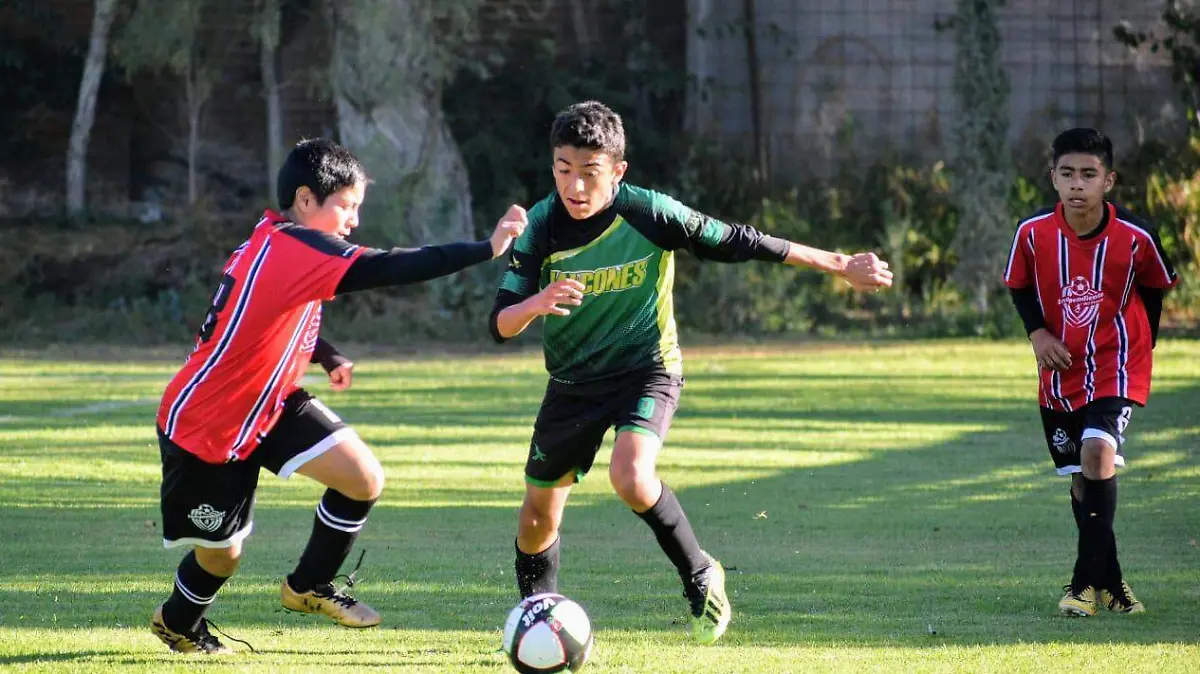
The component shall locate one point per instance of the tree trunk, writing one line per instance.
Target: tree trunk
(192, 104)
(386, 76)
(85, 111)
(269, 44)
(579, 22)
(755, 72)
(698, 113)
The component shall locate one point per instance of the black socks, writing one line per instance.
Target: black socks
(675, 535)
(195, 590)
(537, 573)
(335, 526)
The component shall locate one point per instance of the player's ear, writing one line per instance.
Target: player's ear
(304, 198)
(1110, 181)
(619, 169)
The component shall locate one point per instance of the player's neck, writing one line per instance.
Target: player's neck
(1085, 222)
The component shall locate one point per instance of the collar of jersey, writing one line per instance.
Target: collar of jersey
(1091, 238)
(565, 254)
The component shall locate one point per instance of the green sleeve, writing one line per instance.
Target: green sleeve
(528, 254)
(672, 226)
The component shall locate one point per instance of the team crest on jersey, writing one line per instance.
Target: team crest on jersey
(1062, 442)
(1080, 302)
(206, 518)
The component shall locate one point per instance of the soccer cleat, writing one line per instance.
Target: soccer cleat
(1078, 603)
(709, 604)
(1121, 600)
(327, 600)
(199, 641)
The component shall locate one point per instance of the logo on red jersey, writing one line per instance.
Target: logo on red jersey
(1080, 302)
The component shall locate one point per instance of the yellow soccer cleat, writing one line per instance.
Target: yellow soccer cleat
(326, 600)
(1079, 603)
(199, 641)
(1121, 600)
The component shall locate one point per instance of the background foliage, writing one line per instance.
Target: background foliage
(71, 281)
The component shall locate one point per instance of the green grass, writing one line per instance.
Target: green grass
(881, 508)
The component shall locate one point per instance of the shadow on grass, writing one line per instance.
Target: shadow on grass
(955, 543)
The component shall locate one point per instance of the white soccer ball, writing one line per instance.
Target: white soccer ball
(547, 633)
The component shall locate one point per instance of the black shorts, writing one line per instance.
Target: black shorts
(1104, 418)
(212, 505)
(575, 417)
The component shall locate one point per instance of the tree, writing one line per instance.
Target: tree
(268, 38)
(982, 173)
(1181, 42)
(754, 71)
(85, 110)
(391, 62)
(165, 37)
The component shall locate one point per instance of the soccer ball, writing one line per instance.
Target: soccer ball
(547, 633)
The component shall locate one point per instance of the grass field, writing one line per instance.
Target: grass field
(881, 508)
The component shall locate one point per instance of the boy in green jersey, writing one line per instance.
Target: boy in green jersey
(597, 259)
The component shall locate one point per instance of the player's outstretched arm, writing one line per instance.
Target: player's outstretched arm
(674, 225)
(863, 271)
(404, 266)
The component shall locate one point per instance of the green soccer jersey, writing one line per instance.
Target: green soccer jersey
(625, 258)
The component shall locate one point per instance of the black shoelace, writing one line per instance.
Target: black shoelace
(205, 638)
(342, 596)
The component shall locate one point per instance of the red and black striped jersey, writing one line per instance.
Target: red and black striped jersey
(1086, 287)
(256, 341)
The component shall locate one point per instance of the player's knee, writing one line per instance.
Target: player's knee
(537, 520)
(373, 483)
(1098, 458)
(631, 481)
(369, 484)
(221, 562)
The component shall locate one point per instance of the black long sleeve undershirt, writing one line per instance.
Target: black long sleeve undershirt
(1028, 307)
(742, 243)
(1153, 299)
(327, 357)
(401, 266)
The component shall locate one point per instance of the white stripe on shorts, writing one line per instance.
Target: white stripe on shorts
(316, 450)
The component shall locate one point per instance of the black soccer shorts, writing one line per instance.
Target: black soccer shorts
(212, 505)
(1103, 418)
(574, 419)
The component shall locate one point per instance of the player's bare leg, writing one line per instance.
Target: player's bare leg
(537, 536)
(355, 481)
(179, 622)
(634, 478)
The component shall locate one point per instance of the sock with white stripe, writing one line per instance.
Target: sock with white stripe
(335, 526)
(195, 590)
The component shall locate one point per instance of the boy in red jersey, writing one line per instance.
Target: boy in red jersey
(236, 405)
(1087, 279)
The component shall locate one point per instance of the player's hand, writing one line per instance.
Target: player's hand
(341, 377)
(1051, 353)
(566, 291)
(866, 272)
(509, 228)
